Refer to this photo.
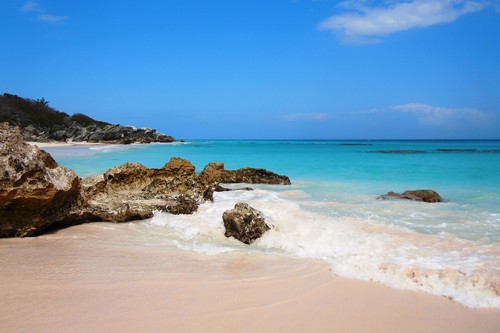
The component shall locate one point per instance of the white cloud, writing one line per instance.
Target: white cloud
(54, 19)
(441, 116)
(306, 116)
(43, 16)
(363, 23)
(31, 6)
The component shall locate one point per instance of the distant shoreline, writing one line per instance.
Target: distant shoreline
(63, 144)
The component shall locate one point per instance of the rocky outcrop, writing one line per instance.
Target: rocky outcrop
(253, 176)
(415, 195)
(40, 123)
(218, 174)
(110, 134)
(225, 189)
(36, 193)
(131, 191)
(244, 223)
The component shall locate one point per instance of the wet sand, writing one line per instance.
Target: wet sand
(42, 145)
(79, 280)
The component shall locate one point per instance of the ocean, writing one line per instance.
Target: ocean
(332, 212)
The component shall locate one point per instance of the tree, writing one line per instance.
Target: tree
(42, 101)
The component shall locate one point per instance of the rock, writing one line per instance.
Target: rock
(210, 178)
(39, 122)
(244, 223)
(225, 189)
(131, 191)
(253, 176)
(399, 151)
(416, 195)
(184, 205)
(36, 194)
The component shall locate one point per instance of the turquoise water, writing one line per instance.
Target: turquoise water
(331, 211)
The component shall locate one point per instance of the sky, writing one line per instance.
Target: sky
(262, 69)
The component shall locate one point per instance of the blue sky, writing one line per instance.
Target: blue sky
(262, 69)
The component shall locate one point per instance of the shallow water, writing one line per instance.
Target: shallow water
(331, 212)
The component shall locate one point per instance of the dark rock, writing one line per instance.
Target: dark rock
(36, 194)
(244, 223)
(225, 189)
(253, 176)
(415, 195)
(400, 151)
(457, 150)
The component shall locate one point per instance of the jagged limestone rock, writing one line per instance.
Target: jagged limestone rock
(244, 223)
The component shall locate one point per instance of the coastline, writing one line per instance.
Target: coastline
(76, 280)
(42, 145)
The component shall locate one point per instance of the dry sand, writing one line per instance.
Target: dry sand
(77, 281)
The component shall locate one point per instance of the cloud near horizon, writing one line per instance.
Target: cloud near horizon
(363, 24)
(34, 7)
(306, 116)
(441, 116)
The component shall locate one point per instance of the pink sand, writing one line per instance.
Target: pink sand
(57, 284)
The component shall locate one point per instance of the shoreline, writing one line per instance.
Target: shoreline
(75, 280)
(42, 145)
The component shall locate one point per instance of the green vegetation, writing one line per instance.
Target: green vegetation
(22, 112)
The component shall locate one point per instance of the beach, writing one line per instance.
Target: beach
(336, 258)
(61, 144)
(250, 166)
(77, 280)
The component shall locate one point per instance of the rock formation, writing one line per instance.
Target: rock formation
(40, 123)
(244, 175)
(244, 223)
(131, 191)
(36, 194)
(253, 176)
(415, 195)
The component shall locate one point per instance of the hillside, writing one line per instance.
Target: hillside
(41, 123)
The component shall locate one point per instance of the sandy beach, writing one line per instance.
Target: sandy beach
(54, 144)
(77, 280)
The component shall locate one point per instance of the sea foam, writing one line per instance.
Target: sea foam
(359, 247)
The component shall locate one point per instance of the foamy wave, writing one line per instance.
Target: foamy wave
(357, 247)
(110, 148)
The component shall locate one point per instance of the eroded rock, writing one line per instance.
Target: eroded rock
(36, 193)
(253, 176)
(415, 195)
(132, 191)
(244, 223)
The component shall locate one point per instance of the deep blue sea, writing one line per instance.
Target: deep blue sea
(332, 211)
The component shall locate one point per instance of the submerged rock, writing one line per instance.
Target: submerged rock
(415, 195)
(36, 193)
(400, 151)
(244, 223)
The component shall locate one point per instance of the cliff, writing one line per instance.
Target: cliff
(41, 123)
